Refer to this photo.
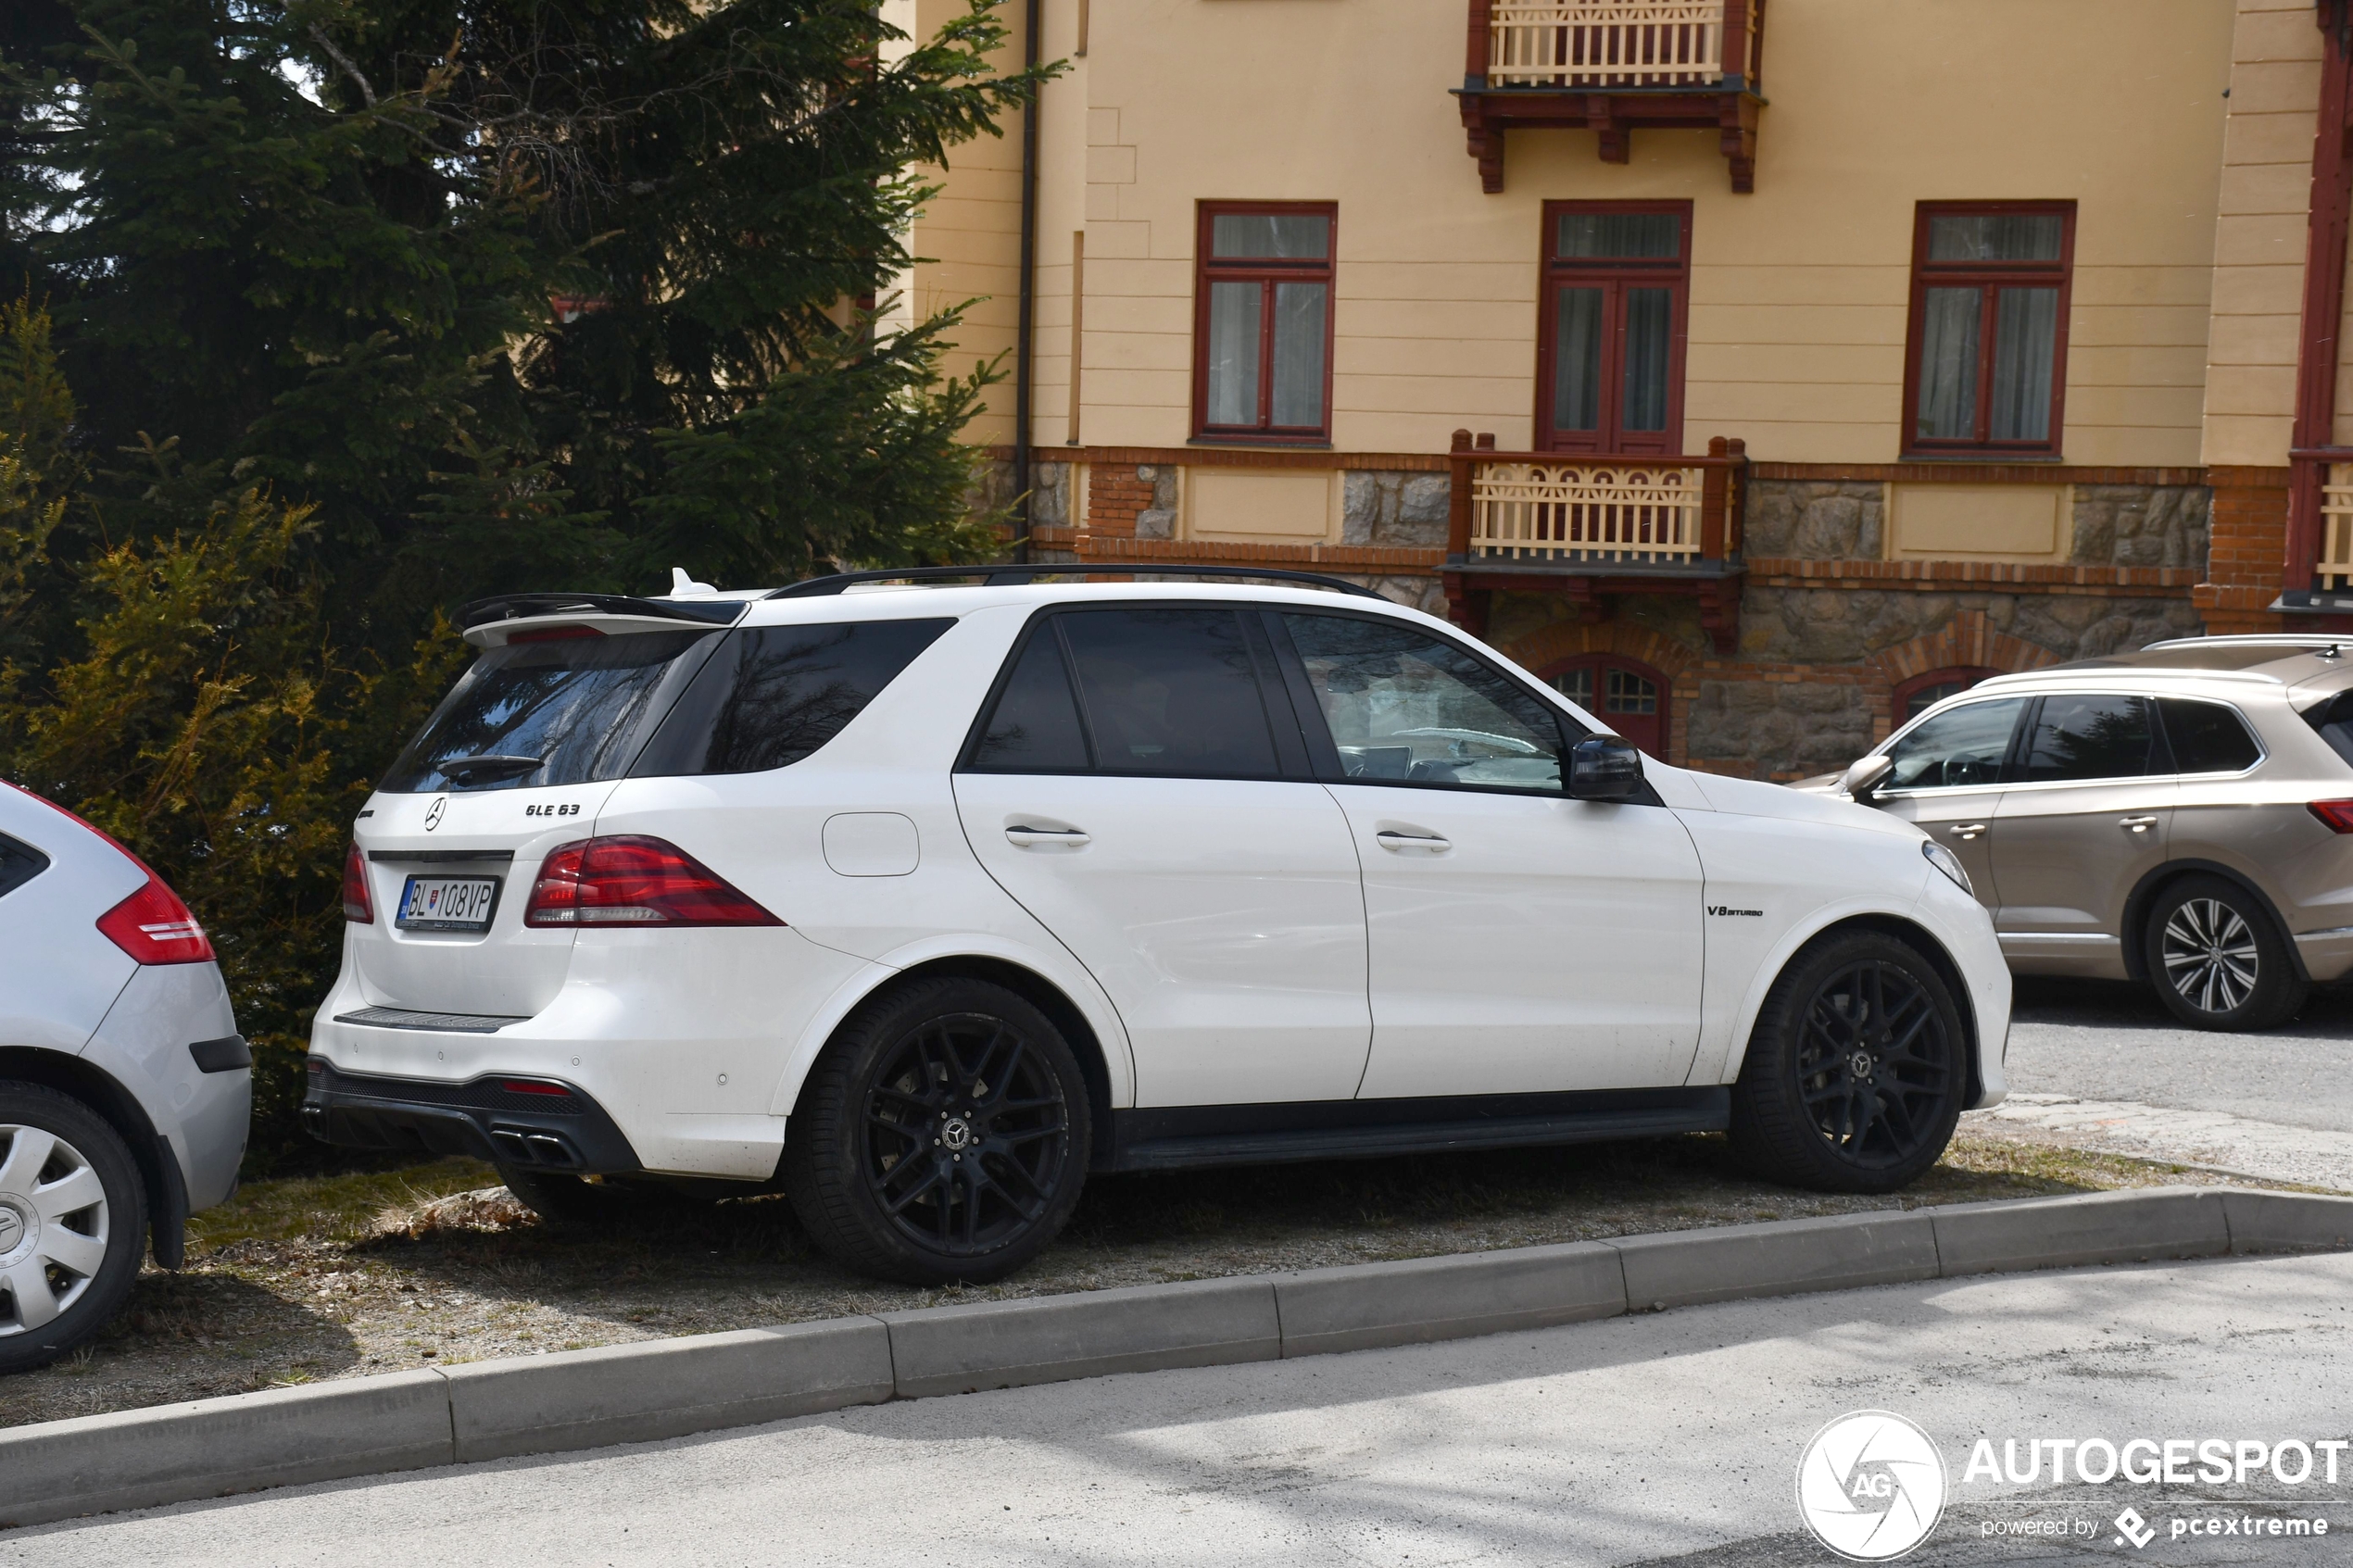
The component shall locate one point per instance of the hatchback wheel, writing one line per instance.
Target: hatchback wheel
(2217, 959)
(73, 1220)
(941, 1137)
(1855, 1072)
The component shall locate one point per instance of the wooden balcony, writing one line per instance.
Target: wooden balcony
(1610, 66)
(2319, 575)
(1590, 528)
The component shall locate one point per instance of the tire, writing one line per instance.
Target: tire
(942, 1135)
(2217, 959)
(556, 1198)
(73, 1224)
(1856, 1070)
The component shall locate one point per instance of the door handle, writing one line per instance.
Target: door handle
(1966, 829)
(2136, 824)
(1389, 838)
(1030, 837)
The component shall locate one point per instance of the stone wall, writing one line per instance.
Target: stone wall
(1385, 507)
(1811, 520)
(2142, 525)
(1781, 729)
(1846, 625)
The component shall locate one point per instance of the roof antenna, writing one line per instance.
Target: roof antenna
(685, 587)
(2331, 651)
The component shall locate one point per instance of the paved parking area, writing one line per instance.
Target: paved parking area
(1630, 1441)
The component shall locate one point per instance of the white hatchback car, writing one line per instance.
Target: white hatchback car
(125, 1088)
(922, 901)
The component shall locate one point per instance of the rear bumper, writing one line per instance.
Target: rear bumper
(2327, 955)
(553, 1127)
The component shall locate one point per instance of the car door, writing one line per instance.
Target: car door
(1521, 941)
(1134, 787)
(2085, 815)
(1945, 777)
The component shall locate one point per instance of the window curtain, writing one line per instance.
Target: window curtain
(1650, 324)
(1233, 352)
(1948, 365)
(1576, 360)
(2025, 345)
(1299, 354)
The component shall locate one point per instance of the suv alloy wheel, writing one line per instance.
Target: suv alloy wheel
(1855, 1071)
(2217, 958)
(942, 1135)
(73, 1222)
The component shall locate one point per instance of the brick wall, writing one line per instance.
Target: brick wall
(2247, 552)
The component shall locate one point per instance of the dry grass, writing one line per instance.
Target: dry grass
(310, 1279)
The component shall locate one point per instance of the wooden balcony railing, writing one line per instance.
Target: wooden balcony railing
(1613, 43)
(1587, 526)
(2318, 574)
(2333, 566)
(1610, 66)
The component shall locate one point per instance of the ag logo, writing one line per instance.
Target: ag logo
(433, 811)
(1870, 1486)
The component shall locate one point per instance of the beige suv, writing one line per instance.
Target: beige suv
(2182, 815)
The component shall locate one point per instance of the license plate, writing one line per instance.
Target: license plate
(447, 903)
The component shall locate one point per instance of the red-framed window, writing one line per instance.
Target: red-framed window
(1630, 697)
(1612, 326)
(1985, 365)
(1917, 695)
(1262, 322)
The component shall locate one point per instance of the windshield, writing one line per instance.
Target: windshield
(578, 707)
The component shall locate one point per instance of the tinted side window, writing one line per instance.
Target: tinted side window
(2333, 720)
(1034, 728)
(2092, 737)
(2207, 737)
(20, 864)
(1170, 692)
(1963, 746)
(580, 705)
(772, 694)
(1406, 708)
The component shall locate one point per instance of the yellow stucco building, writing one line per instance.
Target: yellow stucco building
(1755, 369)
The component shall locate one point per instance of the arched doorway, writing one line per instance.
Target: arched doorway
(1630, 697)
(1917, 695)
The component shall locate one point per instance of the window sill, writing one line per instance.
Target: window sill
(1986, 455)
(1296, 444)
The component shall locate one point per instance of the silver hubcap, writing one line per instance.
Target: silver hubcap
(2210, 955)
(53, 1228)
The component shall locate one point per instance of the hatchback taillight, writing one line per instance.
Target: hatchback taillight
(358, 907)
(2337, 814)
(628, 879)
(153, 926)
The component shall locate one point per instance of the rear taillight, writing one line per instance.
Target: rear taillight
(153, 926)
(631, 880)
(2337, 814)
(358, 907)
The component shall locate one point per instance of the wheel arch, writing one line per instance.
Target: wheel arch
(119, 1109)
(2141, 902)
(1904, 929)
(1093, 1031)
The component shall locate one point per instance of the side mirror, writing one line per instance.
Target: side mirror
(1862, 781)
(1604, 768)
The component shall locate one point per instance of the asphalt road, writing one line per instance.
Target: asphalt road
(2110, 1041)
(1637, 1440)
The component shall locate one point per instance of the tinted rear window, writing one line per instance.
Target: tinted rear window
(2092, 737)
(20, 864)
(2333, 720)
(1034, 728)
(2207, 737)
(583, 706)
(772, 694)
(1170, 691)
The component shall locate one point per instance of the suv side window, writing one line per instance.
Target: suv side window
(774, 695)
(1963, 746)
(2207, 737)
(20, 864)
(1169, 693)
(2332, 721)
(2092, 735)
(1407, 707)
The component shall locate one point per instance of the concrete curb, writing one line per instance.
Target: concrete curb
(671, 1387)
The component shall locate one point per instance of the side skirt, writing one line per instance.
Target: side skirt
(1173, 1137)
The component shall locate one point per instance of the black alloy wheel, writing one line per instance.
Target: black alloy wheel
(1857, 1071)
(2217, 958)
(941, 1137)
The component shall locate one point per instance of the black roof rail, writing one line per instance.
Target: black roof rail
(816, 587)
(509, 607)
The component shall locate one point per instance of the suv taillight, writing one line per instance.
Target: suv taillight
(358, 907)
(153, 926)
(628, 879)
(2337, 814)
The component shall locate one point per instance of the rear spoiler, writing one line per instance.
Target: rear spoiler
(517, 606)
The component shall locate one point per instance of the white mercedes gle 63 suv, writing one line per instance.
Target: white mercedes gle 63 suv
(920, 898)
